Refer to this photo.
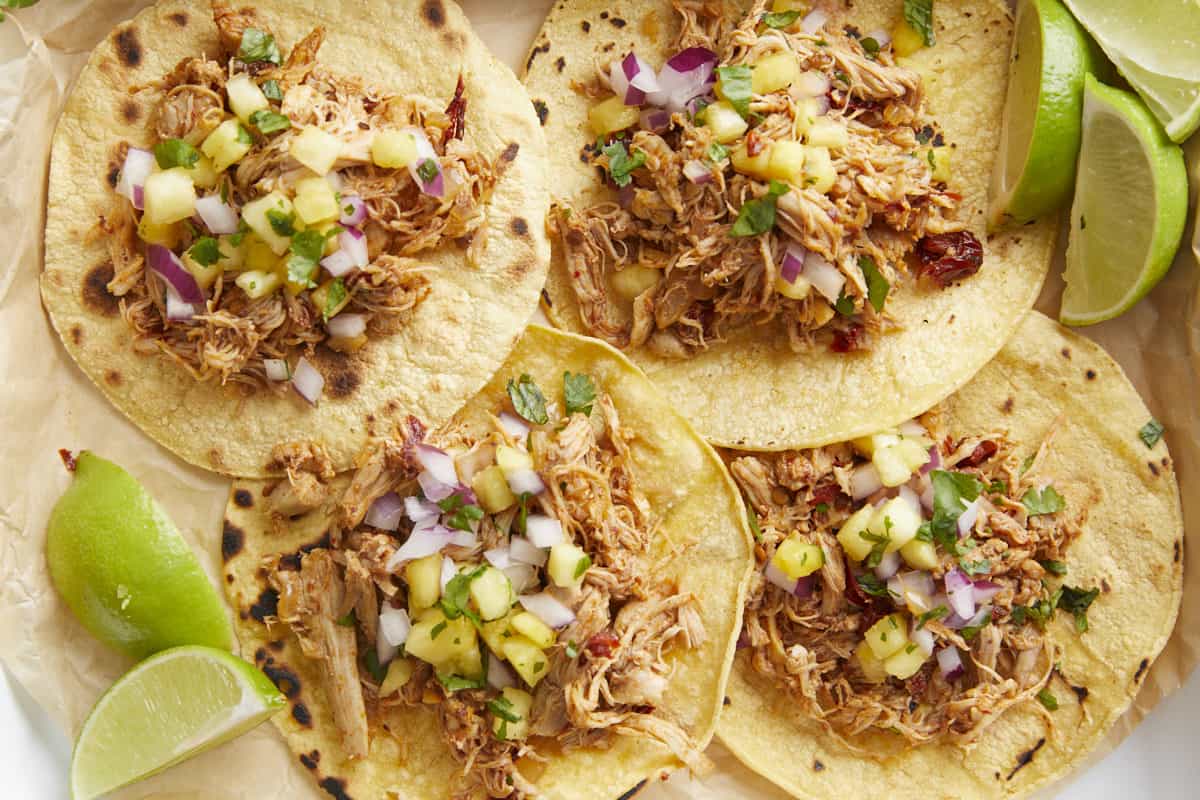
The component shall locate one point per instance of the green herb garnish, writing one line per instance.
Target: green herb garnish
(306, 249)
(877, 285)
(844, 304)
(269, 121)
(936, 613)
(870, 46)
(971, 631)
(579, 393)
(1054, 567)
(282, 223)
(457, 595)
(272, 91)
(377, 671)
(1150, 433)
(436, 630)
(758, 216)
(780, 19)
(572, 649)
(528, 400)
(870, 584)
(1047, 699)
(1077, 602)
(334, 297)
(175, 153)
(717, 152)
(737, 87)
(427, 170)
(206, 251)
(620, 163)
(919, 14)
(1043, 501)
(258, 46)
(457, 683)
(349, 620)
(502, 707)
(976, 567)
(462, 514)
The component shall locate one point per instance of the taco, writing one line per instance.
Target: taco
(973, 597)
(778, 216)
(539, 598)
(275, 222)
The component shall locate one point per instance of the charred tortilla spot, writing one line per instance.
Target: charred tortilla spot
(1008, 405)
(560, 63)
(546, 299)
(129, 49)
(603, 15)
(76, 334)
(510, 153)
(1153, 468)
(260, 656)
(95, 290)
(342, 373)
(1081, 692)
(542, 110)
(131, 112)
(1090, 374)
(434, 13)
(617, 22)
(307, 761)
(284, 679)
(112, 377)
(544, 47)
(243, 499)
(726, 701)
(290, 561)
(632, 791)
(335, 788)
(229, 578)
(519, 226)
(301, 714)
(275, 644)
(1178, 550)
(609, 47)
(179, 18)
(1066, 352)
(267, 605)
(587, 26)
(1026, 757)
(818, 766)
(232, 540)
(1141, 670)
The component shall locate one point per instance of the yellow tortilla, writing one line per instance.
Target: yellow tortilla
(461, 332)
(752, 392)
(1132, 548)
(704, 528)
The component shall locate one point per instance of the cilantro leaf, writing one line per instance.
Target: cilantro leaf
(758, 216)
(951, 493)
(736, 87)
(936, 613)
(1077, 602)
(371, 661)
(581, 566)
(877, 285)
(1054, 567)
(269, 121)
(428, 170)
(870, 46)
(572, 649)
(919, 14)
(998, 486)
(206, 251)
(528, 400)
(334, 297)
(306, 249)
(844, 305)
(752, 518)
(283, 224)
(462, 518)
(348, 620)
(880, 541)
(272, 91)
(258, 46)
(870, 584)
(1150, 433)
(15, 4)
(1047, 699)
(976, 567)
(620, 163)
(717, 152)
(457, 683)
(502, 707)
(175, 153)
(579, 393)
(457, 594)
(1043, 501)
(780, 19)
(437, 630)
(971, 631)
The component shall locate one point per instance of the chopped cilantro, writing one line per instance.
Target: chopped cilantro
(461, 514)
(1054, 567)
(620, 163)
(821, 508)
(436, 630)
(243, 135)
(870, 584)
(579, 393)
(572, 649)
(924, 135)
(1150, 433)
(1043, 501)
(306, 250)
(528, 400)
(971, 631)
(1077, 602)
(258, 46)
(845, 305)
(272, 91)
(976, 567)
(717, 152)
(932, 614)
(269, 121)
(175, 153)
(877, 285)
(523, 513)
(428, 170)
(736, 87)
(502, 707)
(1047, 699)
(758, 216)
(780, 19)
(205, 251)
(1026, 464)
(334, 297)
(870, 46)
(283, 224)
(998, 486)
(377, 671)
(457, 594)
(456, 683)
(581, 566)
(349, 620)
(919, 14)
(952, 491)
(880, 542)
(752, 518)
(925, 532)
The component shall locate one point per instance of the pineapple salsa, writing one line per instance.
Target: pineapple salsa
(280, 207)
(791, 179)
(907, 579)
(507, 575)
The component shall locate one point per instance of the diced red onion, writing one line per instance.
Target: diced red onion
(632, 78)
(822, 106)
(177, 309)
(950, 663)
(385, 512)
(499, 676)
(814, 21)
(655, 120)
(693, 58)
(625, 195)
(912, 589)
(775, 575)
(354, 211)
(523, 551)
(394, 625)
(812, 83)
(420, 543)
(276, 369)
(354, 242)
(793, 262)
(308, 381)
(137, 167)
(465, 539)
(498, 557)
(419, 510)
(438, 462)
(697, 172)
(693, 106)
(927, 495)
(978, 617)
(347, 325)
(548, 609)
(910, 427)
(961, 593)
(525, 481)
(966, 520)
(804, 586)
(448, 572)
(985, 591)
(685, 76)
(217, 215)
(910, 497)
(888, 565)
(432, 488)
(824, 276)
(513, 425)
(620, 85)
(934, 462)
(864, 482)
(168, 265)
(425, 152)
(543, 531)
(338, 263)
(521, 576)
(923, 638)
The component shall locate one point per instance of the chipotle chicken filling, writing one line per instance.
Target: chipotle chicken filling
(281, 206)
(510, 580)
(907, 579)
(777, 172)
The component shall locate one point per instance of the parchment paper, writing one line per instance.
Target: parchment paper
(46, 403)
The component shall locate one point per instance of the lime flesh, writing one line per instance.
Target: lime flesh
(170, 707)
(1035, 168)
(1129, 211)
(122, 567)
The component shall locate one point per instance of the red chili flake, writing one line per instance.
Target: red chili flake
(825, 494)
(847, 340)
(457, 112)
(985, 450)
(948, 257)
(755, 144)
(68, 459)
(602, 644)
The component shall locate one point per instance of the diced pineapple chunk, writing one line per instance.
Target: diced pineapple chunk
(469, 664)
(567, 565)
(886, 637)
(497, 632)
(232, 256)
(259, 255)
(244, 96)
(492, 593)
(255, 215)
(205, 276)
(872, 667)
(939, 161)
(819, 172)
(315, 201)
(797, 558)
(441, 641)
(514, 725)
(424, 578)
(166, 235)
(787, 162)
(346, 344)
(899, 520)
(827, 132)
(796, 290)
(258, 284)
(890, 463)
(808, 111)
(321, 300)
(315, 149)
(533, 629)
(791, 5)
(867, 445)
(393, 149)
(492, 490)
(227, 145)
(612, 115)
(203, 173)
(913, 452)
(399, 673)
(724, 121)
(774, 72)
(906, 39)
(756, 166)
(848, 536)
(170, 197)
(526, 658)
(633, 280)
(906, 663)
(920, 555)
(511, 460)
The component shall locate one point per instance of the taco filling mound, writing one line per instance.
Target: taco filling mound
(778, 171)
(283, 205)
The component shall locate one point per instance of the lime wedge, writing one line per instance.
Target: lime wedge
(169, 708)
(1039, 141)
(1130, 207)
(1156, 46)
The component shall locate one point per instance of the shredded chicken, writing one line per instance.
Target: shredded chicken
(309, 470)
(807, 644)
(884, 202)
